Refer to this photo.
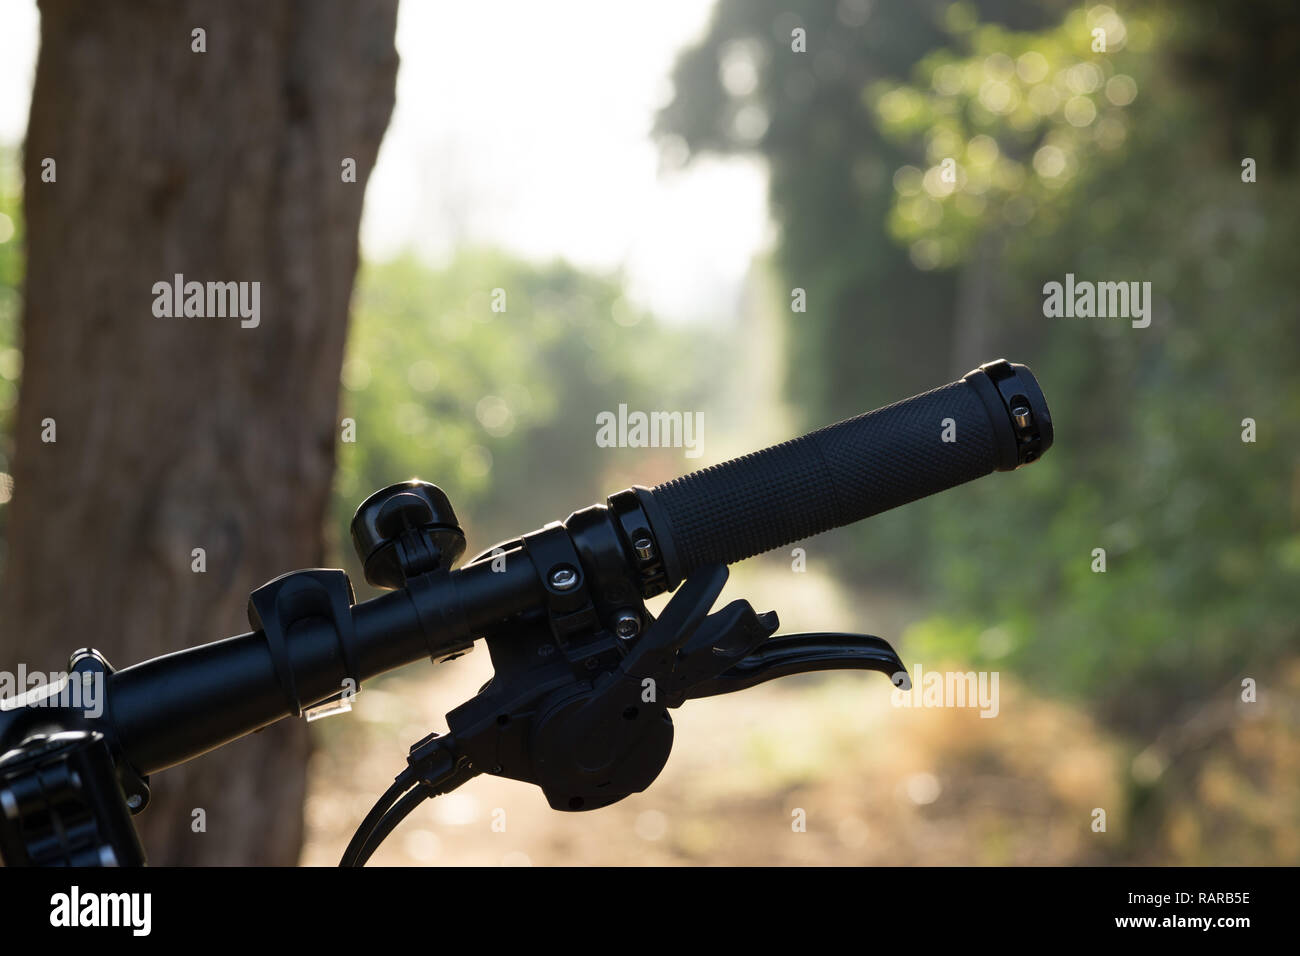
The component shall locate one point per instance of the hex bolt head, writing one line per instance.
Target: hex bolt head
(627, 625)
(563, 577)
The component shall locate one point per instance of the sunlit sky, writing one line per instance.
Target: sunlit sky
(526, 125)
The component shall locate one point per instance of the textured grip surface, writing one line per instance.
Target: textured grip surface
(828, 478)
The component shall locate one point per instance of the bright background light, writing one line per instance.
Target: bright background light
(526, 126)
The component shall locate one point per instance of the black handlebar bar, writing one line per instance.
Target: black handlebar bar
(173, 708)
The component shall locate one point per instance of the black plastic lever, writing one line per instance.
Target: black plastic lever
(803, 653)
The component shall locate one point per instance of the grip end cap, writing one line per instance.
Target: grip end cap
(1012, 395)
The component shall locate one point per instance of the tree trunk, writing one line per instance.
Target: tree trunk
(180, 433)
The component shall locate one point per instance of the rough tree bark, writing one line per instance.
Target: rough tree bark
(181, 433)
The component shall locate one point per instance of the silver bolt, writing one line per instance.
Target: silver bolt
(134, 801)
(627, 625)
(1021, 415)
(644, 548)
(564, 577)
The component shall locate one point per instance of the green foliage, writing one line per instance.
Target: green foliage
(1105, 165)
(1008, 120)
(11, 272)
(1199, 528)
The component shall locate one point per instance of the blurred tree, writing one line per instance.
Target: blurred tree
(789, 85)
(1242, 58)
(219, 160)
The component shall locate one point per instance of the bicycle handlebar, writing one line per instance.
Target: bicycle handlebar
(173, 708)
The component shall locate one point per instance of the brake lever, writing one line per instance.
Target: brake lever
(805, 653)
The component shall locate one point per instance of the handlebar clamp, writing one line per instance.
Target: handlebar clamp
(280, 603)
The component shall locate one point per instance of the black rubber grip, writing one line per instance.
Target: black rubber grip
(831, 477)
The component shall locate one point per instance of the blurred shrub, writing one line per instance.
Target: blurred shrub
(498, 407)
